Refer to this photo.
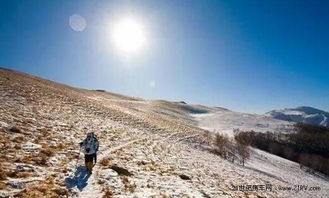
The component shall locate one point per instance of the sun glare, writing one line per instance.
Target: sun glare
(128, 35)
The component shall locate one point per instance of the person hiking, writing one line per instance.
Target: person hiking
(90, 147)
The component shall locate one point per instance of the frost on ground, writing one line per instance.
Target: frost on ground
(148, 148)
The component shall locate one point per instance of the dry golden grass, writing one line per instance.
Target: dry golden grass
(37, 140)
(51, 150)
(65, 170)
(2, 186)
(17, 146)
(141, 163)
(4, 139)
(128, 186)
(19, 174)
(150, 166)
(208, 137)
(47, 151)
(100, 181)
(61, 146)
(107, 192)
(4, 158)
(105, 162)
(60, 191)
(3, 175)
(34, 159)
(46, 189)
(38, 159)
(19, 139)
(44, 132)
(163, 196)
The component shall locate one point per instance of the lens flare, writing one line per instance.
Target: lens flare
(77, 23)
(128, 35)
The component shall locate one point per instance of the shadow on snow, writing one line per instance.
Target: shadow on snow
(79, 179)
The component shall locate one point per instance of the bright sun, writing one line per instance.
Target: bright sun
(128, 35)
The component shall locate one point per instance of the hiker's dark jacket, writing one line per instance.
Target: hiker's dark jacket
(90, 145)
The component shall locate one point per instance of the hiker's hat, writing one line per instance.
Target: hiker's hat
(90, 134)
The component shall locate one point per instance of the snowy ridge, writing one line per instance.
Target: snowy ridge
(307, 115)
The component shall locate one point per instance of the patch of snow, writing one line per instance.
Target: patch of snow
(324, 121)
(31, 147)
(3, 124)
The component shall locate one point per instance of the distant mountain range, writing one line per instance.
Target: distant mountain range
(303, 114)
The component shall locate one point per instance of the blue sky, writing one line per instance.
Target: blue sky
(250, 56)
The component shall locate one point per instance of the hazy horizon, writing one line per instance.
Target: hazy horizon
(247, 56)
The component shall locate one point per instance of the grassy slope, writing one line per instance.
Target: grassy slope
(155, 140)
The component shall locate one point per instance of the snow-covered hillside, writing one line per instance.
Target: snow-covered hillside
(225, 121)
(261, 162)
(307, 115)
(158, 144)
